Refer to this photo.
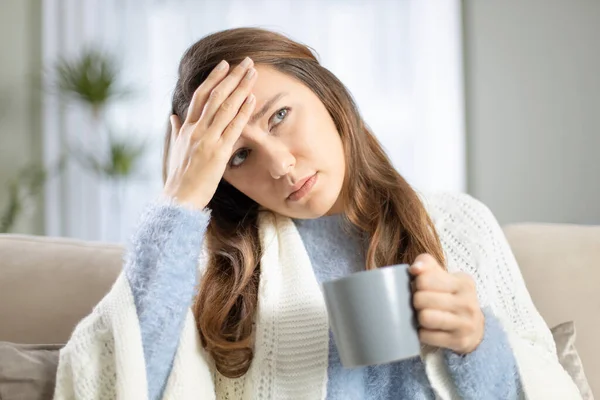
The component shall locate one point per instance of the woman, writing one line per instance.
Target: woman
(269, 166)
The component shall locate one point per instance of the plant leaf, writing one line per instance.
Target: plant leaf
(92, 77)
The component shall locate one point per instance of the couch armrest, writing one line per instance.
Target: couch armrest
(561, 267)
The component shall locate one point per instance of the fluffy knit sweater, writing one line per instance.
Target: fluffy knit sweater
(161, 270)
(162, 274)
(336, 249)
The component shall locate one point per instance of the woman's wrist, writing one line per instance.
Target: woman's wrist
(186, 201)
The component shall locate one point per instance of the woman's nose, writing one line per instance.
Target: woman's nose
(280, 159)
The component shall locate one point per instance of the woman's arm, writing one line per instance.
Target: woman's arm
(162, 269)
(477, 352)
(475, 244)
(490, 371)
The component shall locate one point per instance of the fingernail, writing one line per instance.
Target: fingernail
(221, 66)
(417, 266)
(250, 98)
(246, 63)
(250, 73)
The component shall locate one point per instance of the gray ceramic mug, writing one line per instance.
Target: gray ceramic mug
(372, 317)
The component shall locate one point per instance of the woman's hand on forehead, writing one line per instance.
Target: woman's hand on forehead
(201, 147)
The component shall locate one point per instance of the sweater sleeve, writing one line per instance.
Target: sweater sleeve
(161, 266)
(489, 372)
(475, 243)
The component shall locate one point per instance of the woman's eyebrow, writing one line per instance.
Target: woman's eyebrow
(259, 114)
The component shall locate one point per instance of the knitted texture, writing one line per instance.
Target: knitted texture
(105, 359)
(337, 249)
(161, 268)
(473, 242)
(489, 372)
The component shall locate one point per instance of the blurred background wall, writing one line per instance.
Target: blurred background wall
(532, 77)
(20, 98)
(532, 88)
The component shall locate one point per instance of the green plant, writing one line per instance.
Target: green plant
(22, 190)
(122, 159)
(91, 78)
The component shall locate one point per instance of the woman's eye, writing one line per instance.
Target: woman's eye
(238, 158)
(279, 116)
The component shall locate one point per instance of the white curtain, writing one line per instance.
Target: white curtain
(401, 60)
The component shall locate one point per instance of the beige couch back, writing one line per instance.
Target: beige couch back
(561, 266)
(47, 285)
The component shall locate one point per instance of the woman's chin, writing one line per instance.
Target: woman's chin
(318, 206)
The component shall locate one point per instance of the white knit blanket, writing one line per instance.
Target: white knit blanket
(104, 357)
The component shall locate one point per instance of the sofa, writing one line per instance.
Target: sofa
(48, 284)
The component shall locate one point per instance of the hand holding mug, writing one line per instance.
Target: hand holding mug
(447, 308)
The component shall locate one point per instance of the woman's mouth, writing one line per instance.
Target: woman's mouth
(305, 187)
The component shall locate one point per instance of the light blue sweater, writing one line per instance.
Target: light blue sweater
(161, 265)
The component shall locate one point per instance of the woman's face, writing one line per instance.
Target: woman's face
(289, 158)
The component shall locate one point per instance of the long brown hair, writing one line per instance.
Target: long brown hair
(377, 199)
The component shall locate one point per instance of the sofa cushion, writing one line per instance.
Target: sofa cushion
(27, 371)
(564, 337)
(561, 267)
(48, 284)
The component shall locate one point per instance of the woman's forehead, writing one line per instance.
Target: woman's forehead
(270, 82)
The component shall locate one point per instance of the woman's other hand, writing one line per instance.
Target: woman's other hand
(201, 147)
(447, 308)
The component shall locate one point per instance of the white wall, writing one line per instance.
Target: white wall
(532, 73)
(20, 55)
(533, 108)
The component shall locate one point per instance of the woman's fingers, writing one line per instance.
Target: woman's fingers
(444, 339)
(203, 91)
(429, 275)
(221, 100)
(423, 263)
(235, 127)
(435, 300)
(231, 106)
(461, 340)
(175, 126)
(438, 320)
(436, 280)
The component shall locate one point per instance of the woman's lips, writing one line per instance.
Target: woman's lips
(304, 189)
